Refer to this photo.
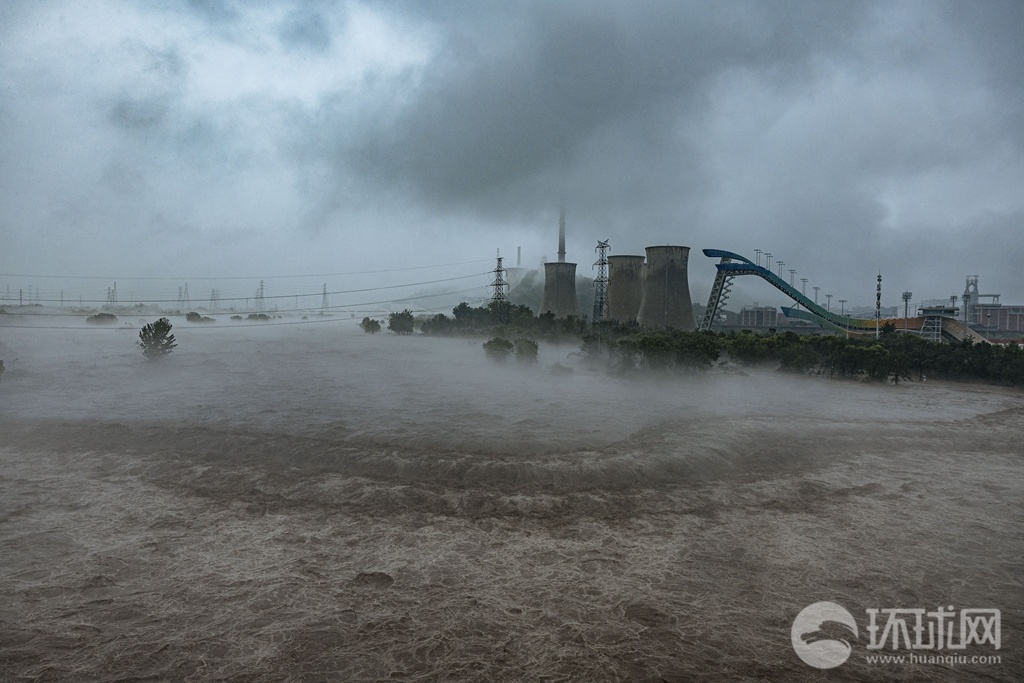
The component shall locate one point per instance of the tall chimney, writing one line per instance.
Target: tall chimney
(560, 281)
(561, 236)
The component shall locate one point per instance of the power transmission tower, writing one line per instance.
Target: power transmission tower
(601, 282)
(499, 300)
(259, 297)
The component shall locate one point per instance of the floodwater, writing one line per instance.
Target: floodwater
(309, 503)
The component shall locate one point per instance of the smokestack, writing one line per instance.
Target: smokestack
(561, 236)
(625, 287)
(666, 299)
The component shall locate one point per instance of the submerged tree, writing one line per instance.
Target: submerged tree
(156, 339)
(498, 349)
(526, 350)
(370, 326)
(401, 323)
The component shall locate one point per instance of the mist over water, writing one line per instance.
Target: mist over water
(311, 503)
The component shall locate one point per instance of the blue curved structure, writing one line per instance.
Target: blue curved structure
(733, 265)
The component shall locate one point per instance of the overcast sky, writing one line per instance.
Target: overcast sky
(193, 139)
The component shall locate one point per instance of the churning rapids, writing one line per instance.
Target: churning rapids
(306, 503)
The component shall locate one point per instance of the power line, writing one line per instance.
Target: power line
(243, 277)
(184, 301)
(346, 308)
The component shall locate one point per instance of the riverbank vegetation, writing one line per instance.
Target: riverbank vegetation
(893, 357)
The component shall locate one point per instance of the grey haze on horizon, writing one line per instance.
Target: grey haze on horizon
(229, 138)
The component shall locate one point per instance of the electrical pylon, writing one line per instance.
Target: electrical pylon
(601, 282)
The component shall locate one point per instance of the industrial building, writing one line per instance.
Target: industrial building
(666, 298)
(625, 287)
(560, 281)
(759, 316)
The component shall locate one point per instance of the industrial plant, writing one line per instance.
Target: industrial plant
(653, 291)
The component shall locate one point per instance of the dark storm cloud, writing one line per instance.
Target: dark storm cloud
(524, 94)
(836, 135)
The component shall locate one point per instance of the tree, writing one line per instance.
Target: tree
(498, 349)
(797, 358)
(401, 323)
(526, 350)
(370, 326)
(156, 339)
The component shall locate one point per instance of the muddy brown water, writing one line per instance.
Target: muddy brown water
(309, 503)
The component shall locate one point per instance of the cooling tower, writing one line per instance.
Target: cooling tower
(560, 290)
(625, 287)
(666, 300)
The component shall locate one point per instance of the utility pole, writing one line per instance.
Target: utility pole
(878, 306)
(323, 301)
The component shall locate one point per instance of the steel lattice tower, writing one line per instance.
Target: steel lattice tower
(499, 299)
(601, 282)
(259, 296)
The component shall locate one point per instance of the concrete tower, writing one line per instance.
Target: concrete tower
(625, 287)
(666, 300)
(560, 281)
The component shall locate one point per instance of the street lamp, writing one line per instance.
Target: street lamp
(768, 260)
(828, 304)
(842, 306)
(780, 264)
(906, 306)
(757, 256)
(816, 295)
(792, 274)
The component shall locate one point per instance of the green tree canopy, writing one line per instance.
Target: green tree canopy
(156, 339)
